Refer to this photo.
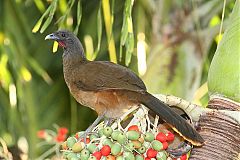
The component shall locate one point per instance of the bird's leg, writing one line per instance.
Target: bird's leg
(90, 128)
(182, 149)
(108, 121)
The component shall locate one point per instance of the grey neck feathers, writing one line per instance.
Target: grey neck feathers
(73, 53)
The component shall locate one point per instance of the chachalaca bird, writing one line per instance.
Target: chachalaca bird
(111, 89)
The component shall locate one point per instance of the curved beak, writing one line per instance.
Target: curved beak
(51, 36)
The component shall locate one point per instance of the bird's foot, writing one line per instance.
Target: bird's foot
(182, 149)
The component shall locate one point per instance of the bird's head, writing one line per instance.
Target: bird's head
(64, 38)
(68, 41)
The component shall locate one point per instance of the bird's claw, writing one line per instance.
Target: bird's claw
(182, 149)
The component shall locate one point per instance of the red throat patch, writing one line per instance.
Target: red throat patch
(61, 44)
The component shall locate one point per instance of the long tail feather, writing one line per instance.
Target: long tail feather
(178, 123)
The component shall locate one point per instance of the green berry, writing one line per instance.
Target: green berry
(107, 131)
(77, 147)
(92, 147)
(121, 138)
(129, 146)
(71, 155)
(71, 141)
(149, 137)
(92, 158)
(142, 149)
(108, 142)
(139, 157)
(116, 149)
(85, 154)
(133, 135)
(161, 156)
(115, 135)
(157, 145)
(93, 136)
(119, 158)
(100, 132)
(128, 156)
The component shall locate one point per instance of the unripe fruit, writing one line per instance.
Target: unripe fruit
(161, 156)
(119, 158)
(92, 158)
(133, 135)
(71, 155)
(149, 137)
(139, 157)
(121, 138)
(129, 146)
(93, 136)
(77, 147)
(115, 135)
(71, 141)
(116, 149)
(107, 142)
(107, 131)
(137, 144)
(85, 154)
(128, 156)
(142, 149)
(161, 137)
(151, 153)
(157, 145)
(165, 145)
(133, 128)
(97, 154)
(100, 132)
(170, 136)
(92, 147)
(105, 150)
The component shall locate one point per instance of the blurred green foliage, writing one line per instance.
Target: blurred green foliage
(177, 37)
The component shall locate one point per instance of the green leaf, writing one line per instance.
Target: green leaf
(50, 17)
(79, 16)
(224, 72)
(130, 48)
(39, 22)
(99, 31)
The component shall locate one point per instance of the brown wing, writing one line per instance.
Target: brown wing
(102, 75)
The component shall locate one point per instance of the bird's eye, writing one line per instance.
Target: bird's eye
(63, 35)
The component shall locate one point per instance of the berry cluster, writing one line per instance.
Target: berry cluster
(109, 144)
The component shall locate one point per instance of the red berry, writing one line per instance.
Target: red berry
(165, 145)
(87, 140)
(97, 154)
(133, 128)
(146, 158)
(105, 150)
(170, 136)
(60, 138)
(183, 157)
(161, 137)
(151, 153)
(41, 134)
(62, 130)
